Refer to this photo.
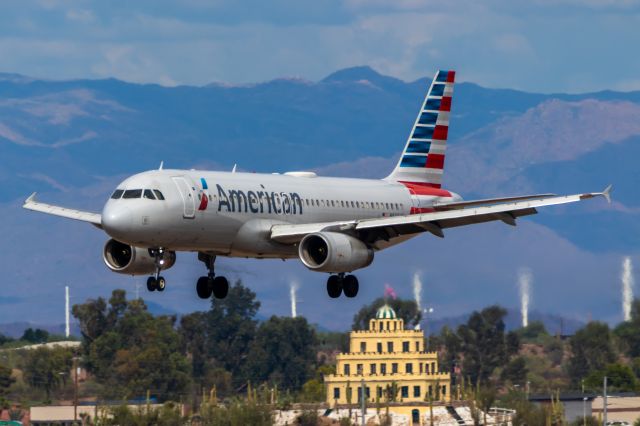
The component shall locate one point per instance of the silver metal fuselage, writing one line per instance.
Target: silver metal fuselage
(240, 209)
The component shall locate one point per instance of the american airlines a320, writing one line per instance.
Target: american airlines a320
(307, 213)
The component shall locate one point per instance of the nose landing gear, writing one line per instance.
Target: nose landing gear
(156, 282)
(337, 284)
(218, 286)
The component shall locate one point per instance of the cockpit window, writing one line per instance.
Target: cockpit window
(158, 194)
(148, 194)
(132, 193)
(117, 194)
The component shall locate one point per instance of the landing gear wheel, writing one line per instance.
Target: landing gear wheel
(334, 286)
(151, 284)
(203, 288)
(350, 286)
(220, 287)
(161, 284)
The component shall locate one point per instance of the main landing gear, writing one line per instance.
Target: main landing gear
(205, 286)
(336, 284)
(156, 282)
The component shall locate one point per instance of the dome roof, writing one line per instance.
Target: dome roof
(386, 312)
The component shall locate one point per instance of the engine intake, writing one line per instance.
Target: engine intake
(126, 259)
(334, 252)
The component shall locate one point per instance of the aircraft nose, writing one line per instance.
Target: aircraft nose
(116, 220)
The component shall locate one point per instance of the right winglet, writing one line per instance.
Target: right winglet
(31, 199)
(607, 193)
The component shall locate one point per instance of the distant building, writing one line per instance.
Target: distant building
(394, 365)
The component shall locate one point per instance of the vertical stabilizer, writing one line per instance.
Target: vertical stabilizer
(422, 161)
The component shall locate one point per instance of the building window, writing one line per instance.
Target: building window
(433, 368)
(430, 392)
(381, 326)
(394, 368)
(359, 369)
(372, 369)
(405, 392)
(379, 392)
(347, 370)
(363, 347)
(444, 391)
(405, 346)
(349, 394)
(389, 346)
(416, 391)
(336, 393)
(379, 347)
(409, 368)
(417, 346)
(383, 368)
(421, 368)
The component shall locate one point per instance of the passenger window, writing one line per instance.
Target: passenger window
(342, 203)
(352, 205)
(132, 193)
(117, 194)
(386, 206)
(159, 195)
(357, 204)
(149, 195)
(307, 201)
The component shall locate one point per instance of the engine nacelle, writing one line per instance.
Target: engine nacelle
(126, 259)
(334, 252)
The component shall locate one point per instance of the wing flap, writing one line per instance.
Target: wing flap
(434, 222)
(32, 204)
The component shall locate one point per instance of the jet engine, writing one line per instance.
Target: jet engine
(334, 252)
(126, 259)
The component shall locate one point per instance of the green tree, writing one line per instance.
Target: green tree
(452, 347)
(532, 332)
(46, 368)
(484, 343)
(283, 352)
(628, 332)
(220, 337)
(515, 371)
(405, 309)
(35, 336)
(5, 339)
(591, 350)
(6, 380)
(130, 351)
(620, 378)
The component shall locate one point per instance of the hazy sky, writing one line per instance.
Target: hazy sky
(535, 45)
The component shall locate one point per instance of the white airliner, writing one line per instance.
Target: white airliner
(333, 225)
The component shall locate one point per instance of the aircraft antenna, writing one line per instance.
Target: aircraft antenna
(161, 165)
(234, 168)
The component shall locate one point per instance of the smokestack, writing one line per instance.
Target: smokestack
(67, 325)
(524, 278)
(417, 289)
(293, 288)
(627, 287)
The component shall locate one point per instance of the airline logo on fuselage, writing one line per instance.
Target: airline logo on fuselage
(239, 201)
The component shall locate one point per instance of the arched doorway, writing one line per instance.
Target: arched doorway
(415, 417)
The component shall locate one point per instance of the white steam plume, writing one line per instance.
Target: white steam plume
(417, 289)
(627, 287)
(293, 288)
(524, 279)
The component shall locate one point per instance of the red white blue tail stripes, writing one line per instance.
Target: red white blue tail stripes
(422, 160)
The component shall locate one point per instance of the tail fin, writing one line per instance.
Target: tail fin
(422, 161)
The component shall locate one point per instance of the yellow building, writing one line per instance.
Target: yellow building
(391, 360)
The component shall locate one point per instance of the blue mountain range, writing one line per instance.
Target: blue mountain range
(74, 140)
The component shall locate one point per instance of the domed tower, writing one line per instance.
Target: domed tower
(393, 363)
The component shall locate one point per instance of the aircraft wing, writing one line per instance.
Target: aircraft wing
(459, 214)
(32, 204)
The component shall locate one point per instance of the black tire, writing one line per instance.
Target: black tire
(203, 288)
(350, 286)
(151, 284)
(220, 287)
(334, 286)
(161, 284)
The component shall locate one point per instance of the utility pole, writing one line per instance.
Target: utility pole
(604, 402)
(363, 400)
